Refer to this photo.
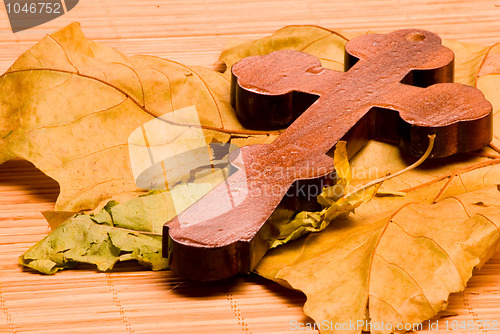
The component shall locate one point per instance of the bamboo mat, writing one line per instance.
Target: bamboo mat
(131, 299)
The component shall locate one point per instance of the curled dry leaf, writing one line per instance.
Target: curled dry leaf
(93, 239)
(118, 232)
(335, 200)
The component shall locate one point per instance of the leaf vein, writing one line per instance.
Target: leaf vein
(484, 176)
(138, 78)
(410, 276)
(65, 53)
(35, 57)
(98, 151)
(490, 221)
(315, 41)
(383, 301)
(482, 62)
(435, 243)
(78, 119)
(470, 60)
(204, 83)
(169, 87)
(207, 127)
(53, 87)
(462, 182)
(100, 184)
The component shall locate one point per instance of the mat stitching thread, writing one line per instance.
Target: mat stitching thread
(116, 33)
(5, 311)
(213, 23)
(473, 314)
(311, 12)
(237, 313)
(118, 304)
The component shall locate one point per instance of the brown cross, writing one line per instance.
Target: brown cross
(397, 86)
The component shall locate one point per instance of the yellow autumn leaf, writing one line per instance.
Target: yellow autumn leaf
(488, 81)
(402, 267)
(68, 105)
(334, 268)
(325, 44)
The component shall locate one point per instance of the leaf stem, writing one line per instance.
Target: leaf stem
(461, 171)
(451, 176)
(412, 166)
(494, 147)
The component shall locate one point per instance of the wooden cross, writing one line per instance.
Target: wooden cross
(397, 86)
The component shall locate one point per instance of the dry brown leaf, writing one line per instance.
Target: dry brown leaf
(402, 266)
(325, 44)
(488, 81)
(332, 268)
(68, 105)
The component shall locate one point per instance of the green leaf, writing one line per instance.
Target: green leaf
(85, 239)
(118, 232)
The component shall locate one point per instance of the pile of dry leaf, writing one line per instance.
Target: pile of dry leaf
(68, 105)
